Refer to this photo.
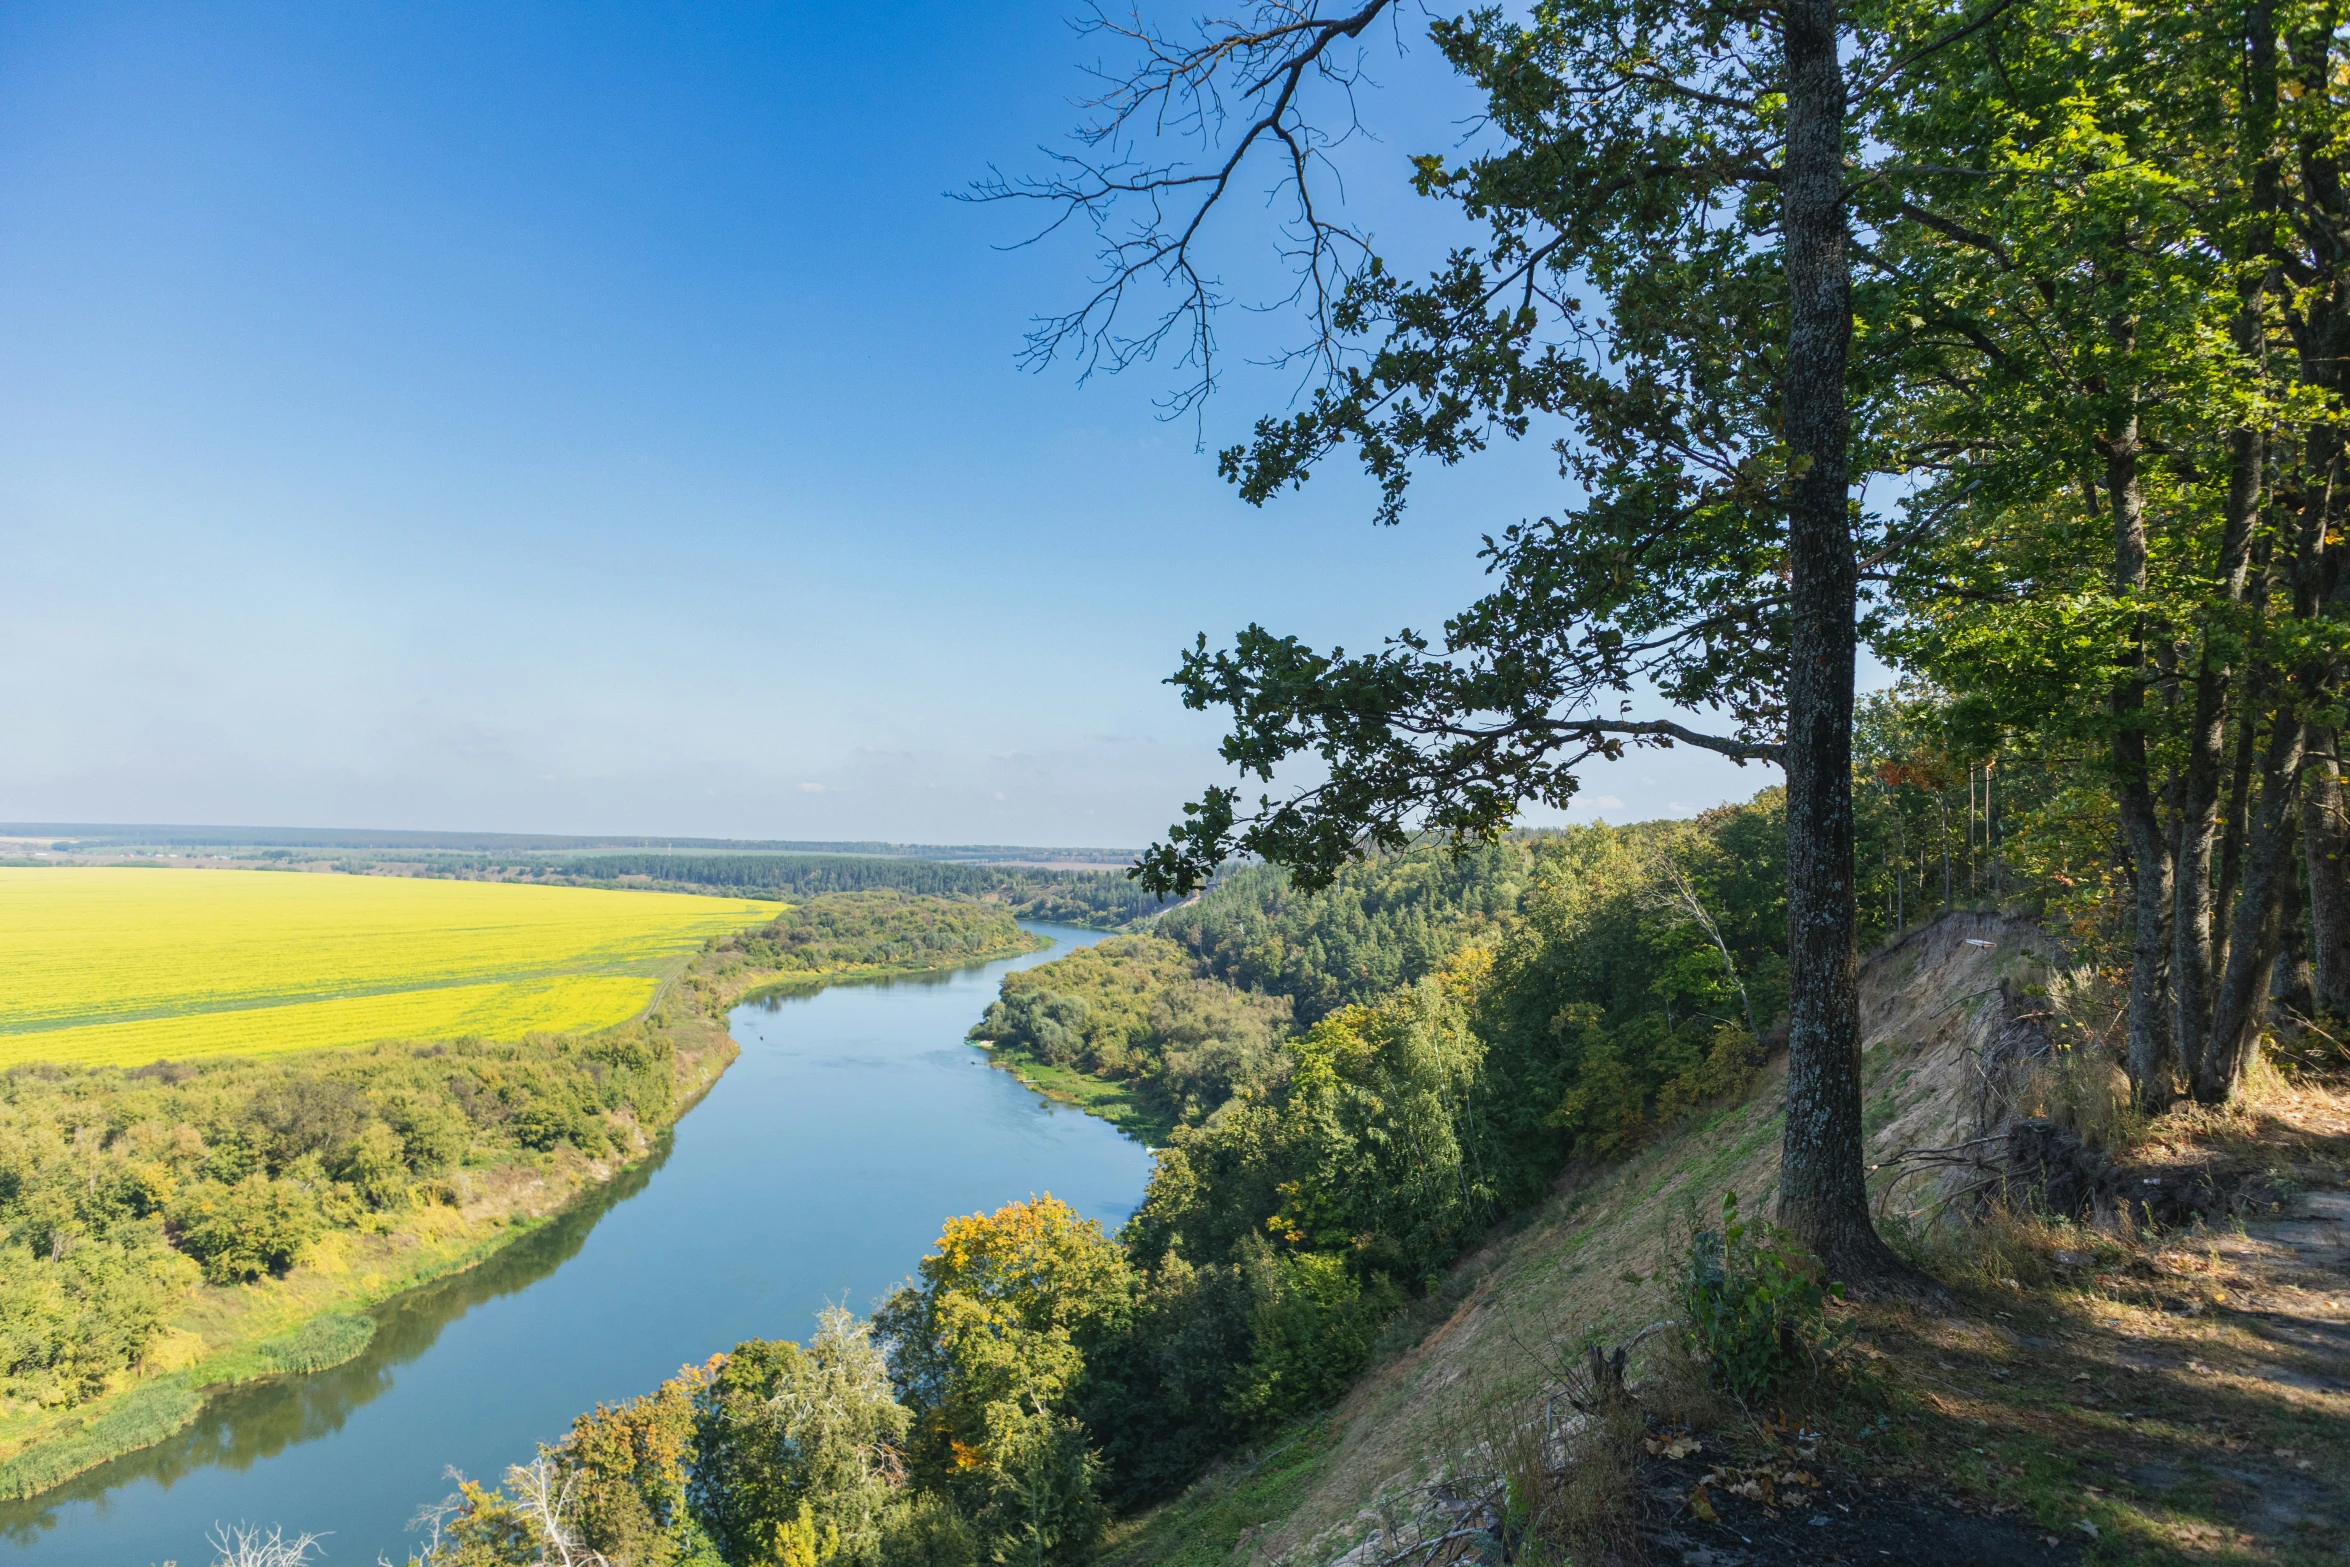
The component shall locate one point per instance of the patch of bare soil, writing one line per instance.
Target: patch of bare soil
(1802, 1511)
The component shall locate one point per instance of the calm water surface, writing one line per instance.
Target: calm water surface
(818, 1169)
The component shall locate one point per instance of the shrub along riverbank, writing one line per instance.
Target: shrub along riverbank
(172, 1230)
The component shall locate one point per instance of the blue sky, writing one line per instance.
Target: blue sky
(595, 418)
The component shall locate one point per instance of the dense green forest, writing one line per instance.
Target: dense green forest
(121, 1188)
(1134, 1012)
(880, 929)
(1384, 923)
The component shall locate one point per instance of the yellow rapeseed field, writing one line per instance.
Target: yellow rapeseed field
(125, 966)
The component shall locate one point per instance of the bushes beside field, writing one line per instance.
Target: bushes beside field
(119, 1189)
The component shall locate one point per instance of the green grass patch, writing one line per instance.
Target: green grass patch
(1206, 1525)
(1115, 1102)
(137, 1419)
(321, 1342)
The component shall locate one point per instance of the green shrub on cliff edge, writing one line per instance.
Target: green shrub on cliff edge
(1756, 1304)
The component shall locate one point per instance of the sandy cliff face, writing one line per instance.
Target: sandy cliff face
(1951, 1029)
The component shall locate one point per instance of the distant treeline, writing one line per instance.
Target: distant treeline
(1096, 898)
(90, 836)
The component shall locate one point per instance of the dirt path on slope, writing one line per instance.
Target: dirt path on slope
(2181, 1397)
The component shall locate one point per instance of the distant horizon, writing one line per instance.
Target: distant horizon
(222, 835)
(98, 835)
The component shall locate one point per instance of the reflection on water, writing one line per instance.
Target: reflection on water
(818, 1168)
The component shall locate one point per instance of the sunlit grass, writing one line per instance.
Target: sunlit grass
(123, 966)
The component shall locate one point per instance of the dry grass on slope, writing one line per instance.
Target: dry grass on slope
(2163, 1397)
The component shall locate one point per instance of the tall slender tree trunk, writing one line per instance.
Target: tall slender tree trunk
(2149, 1049)
(2253, 941)
(1992, 878)
(2198, 831)
(2323, 845)
(2322, 589)
(2319, 587)
(2217, 971)
(2231, 860)
(2196, 951)
(2322, 227)
(1823, 1196)
(2288, 976)
(1942, 802)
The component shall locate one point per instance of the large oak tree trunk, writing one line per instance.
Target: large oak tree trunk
(1823, 1197)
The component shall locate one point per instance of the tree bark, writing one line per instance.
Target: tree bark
(2323, 842)
(2231, 862)
(2288, 975)
(2149, 1050)
(2196, 952)
(2208, 960)
(2321, 225)
(1823, 1196)
(2252, 940)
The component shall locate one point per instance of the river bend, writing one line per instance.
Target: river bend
(819, 1168)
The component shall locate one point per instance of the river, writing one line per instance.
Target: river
(819, 1168)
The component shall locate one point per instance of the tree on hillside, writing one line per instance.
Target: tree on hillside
(2135, 277)
(1693, 168)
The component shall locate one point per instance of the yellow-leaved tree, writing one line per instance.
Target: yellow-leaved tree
(985, 1350)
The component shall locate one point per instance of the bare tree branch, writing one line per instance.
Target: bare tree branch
(1684, 893)
(1736, 750)
(542, 1490)
(1239, 86)
(244, 1545)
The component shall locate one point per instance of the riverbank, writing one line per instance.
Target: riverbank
(315, 1315)
(799, 984)
(1114, 1100)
